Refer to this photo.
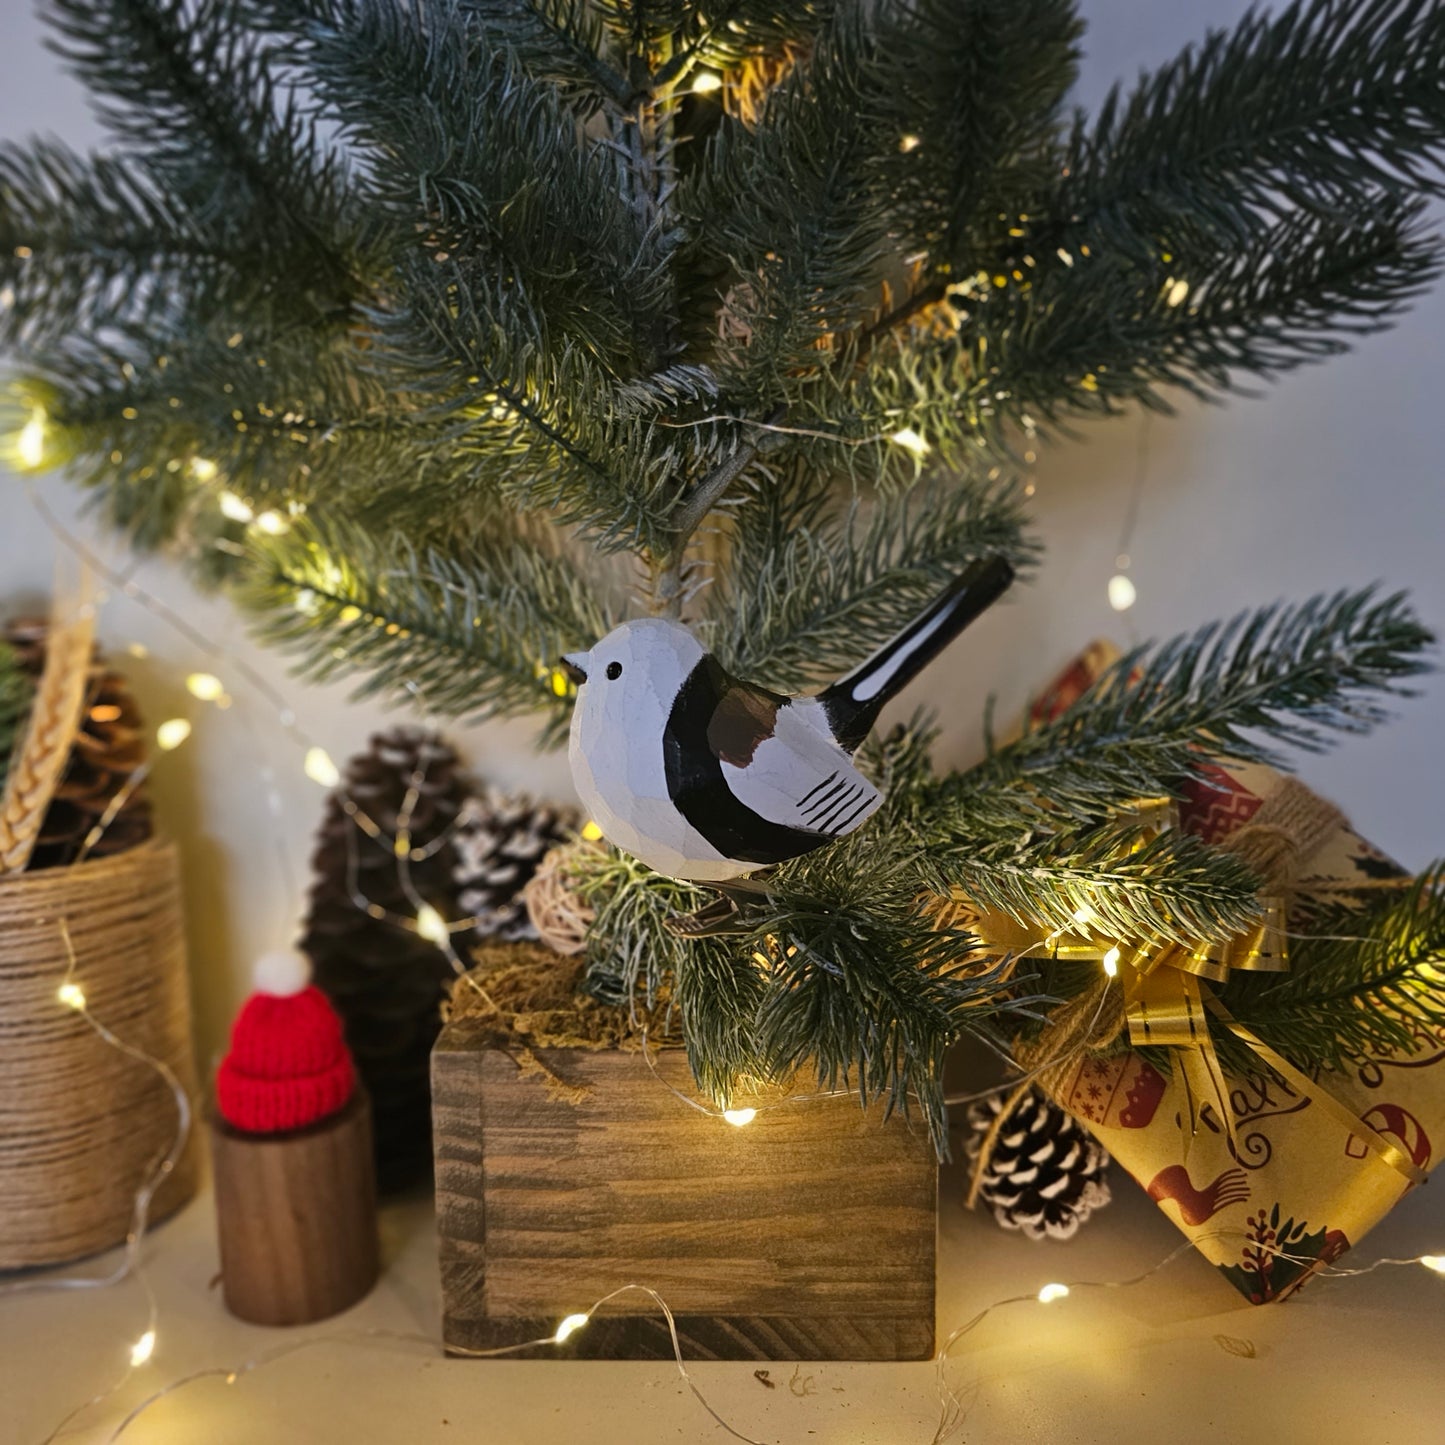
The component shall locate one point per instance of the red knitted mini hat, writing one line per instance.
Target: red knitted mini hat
(288, 1065)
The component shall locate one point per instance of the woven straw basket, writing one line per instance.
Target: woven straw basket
(82, 1125)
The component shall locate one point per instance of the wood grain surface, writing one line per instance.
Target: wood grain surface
(296, 1218)
(807, 1234)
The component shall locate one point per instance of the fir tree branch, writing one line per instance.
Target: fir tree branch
(561, 41)
(1172, 886)
(95, 242)
(1365, 982)
(791, 209)
(16, 691)
(463, 634)
(1320, 105)
(863, 989)
(455, 137)
(813, 586)
(1280, 675)
(183, 86)
(1107, 328)
(973, 113)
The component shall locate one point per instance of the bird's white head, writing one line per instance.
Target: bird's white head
(626, 686)
(627, 683)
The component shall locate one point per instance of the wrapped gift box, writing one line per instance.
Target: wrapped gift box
(1310, 1164)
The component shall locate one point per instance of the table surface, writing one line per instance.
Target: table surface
(1177, 1356)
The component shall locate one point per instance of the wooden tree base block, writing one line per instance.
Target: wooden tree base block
(807, 1234)
(297, 1218)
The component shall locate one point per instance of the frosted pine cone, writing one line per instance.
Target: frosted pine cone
(498, 844)
(1046, 1173)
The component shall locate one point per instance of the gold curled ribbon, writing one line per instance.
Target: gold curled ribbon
(1164, 1005)
(1312, 1089)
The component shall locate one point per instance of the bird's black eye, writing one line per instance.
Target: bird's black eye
(614, 670)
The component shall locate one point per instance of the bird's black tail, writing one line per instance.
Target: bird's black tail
(854, 701)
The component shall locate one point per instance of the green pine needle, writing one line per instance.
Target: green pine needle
(1362, 982)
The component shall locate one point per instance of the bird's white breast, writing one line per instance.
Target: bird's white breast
(616, 750)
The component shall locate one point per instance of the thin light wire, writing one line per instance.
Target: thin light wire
(155, 1176)
(232, 1374)
(952, 1407)
(129, 1264)
(1122, 557)
(123, 583)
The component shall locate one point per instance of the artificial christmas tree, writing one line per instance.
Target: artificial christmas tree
(386, 980)
(754, 306)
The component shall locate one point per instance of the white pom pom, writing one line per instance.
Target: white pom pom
(283, 972)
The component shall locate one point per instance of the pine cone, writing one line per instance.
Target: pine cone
(499, 843)
(109, 748)
(1046, 1173)
(388, 984)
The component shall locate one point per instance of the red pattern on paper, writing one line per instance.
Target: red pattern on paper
(1196, 1205)
(1213, 805)
(1398, 1124)
(1071, 684)
(1122, 1092)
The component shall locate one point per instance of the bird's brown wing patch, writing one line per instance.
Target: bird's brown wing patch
(744, 718)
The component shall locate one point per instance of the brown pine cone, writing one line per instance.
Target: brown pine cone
(109, 748)
(388, 983)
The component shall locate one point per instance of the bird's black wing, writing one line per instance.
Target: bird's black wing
(714, 717)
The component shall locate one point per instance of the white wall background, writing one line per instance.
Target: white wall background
(1333, 479)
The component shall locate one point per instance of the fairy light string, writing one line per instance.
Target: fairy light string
(1051, 1294)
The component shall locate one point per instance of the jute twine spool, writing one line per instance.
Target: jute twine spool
(81, 1124)
(560, 917)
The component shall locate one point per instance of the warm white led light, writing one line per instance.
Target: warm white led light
(909, 439)
(30, 444)
(432, 926)
(1111, 963)
(71, 995)
(236, 508)
(204, 686)
(143, 1349)
(568, 1327)
(1122, 592)
(1434, 1261)
(738, 1117)
(320, 769)
(706, 81)
(272, 524)
(172, 733)
(1050, 1292)
(203, 469)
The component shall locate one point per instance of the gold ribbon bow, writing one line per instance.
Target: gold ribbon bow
(1166, 1006)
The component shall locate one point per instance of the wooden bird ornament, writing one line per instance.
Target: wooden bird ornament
(708, 778)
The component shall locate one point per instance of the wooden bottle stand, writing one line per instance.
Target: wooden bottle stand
(297, 1217)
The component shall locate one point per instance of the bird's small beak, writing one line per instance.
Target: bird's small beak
(574, 664)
